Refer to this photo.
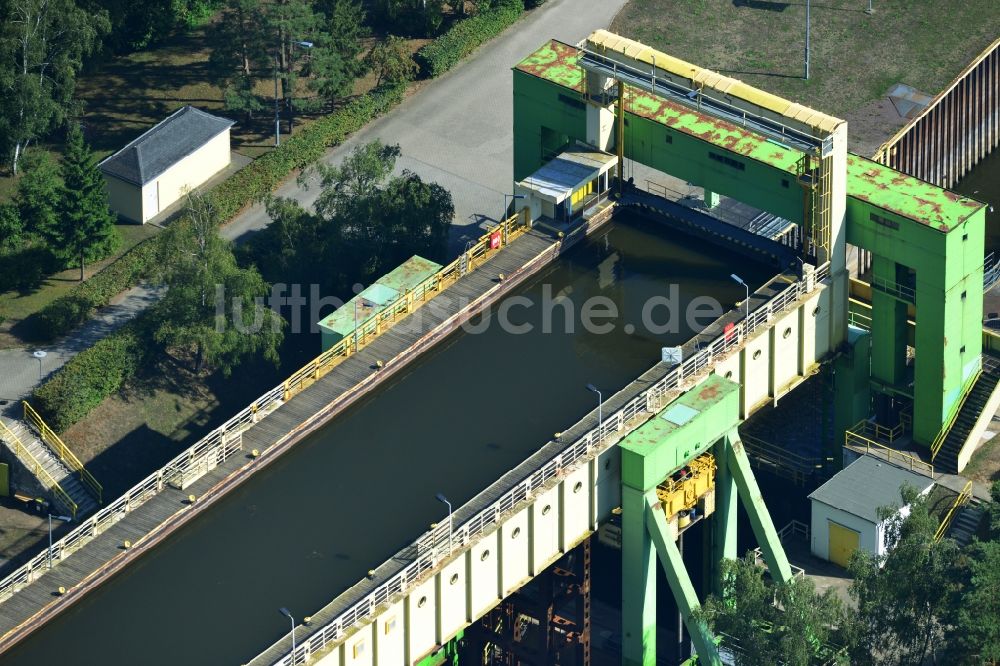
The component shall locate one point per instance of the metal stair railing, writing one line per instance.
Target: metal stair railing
(35, 467)
(946, 428)
(862, 436)
(961, 500)
(55, 443)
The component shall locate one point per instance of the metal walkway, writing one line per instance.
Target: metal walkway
(145, 526)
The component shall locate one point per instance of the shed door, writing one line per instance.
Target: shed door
(843, 543)
(151, 202)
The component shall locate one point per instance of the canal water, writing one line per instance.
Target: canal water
(310, 525)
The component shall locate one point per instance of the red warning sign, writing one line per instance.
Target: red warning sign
(495, 240)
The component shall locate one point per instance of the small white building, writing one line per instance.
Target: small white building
(567, 185)
(845, 508)
(173, 157)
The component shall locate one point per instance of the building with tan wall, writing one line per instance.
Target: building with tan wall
(158, 168)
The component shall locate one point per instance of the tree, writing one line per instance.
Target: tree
(241, 54)
(11, 227)
(85, 227)
(391, 61)
(42, 46)
(210, 304)
(293, 24)
(38, 194)
(974, 619)
(366, 223)
(904, 596)
(785, 623)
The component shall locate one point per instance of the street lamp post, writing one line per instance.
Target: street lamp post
(277, 115)
(512, 197)
(39, 354)
(807, 40)
(600, 411)
(451, 525)
(65, 518)
(277, 118)
(746, 301)
(287, 613)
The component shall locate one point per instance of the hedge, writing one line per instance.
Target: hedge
(466, 36)
(246, 186)
(93, 374)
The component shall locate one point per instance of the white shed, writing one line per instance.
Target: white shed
(845, 508)
(568, 184)
(158, 168)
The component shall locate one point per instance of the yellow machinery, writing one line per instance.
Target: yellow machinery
(691, 486)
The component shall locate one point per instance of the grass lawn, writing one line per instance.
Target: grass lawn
(985, 463)
(16, 306)
(854, 57)
(167, 409)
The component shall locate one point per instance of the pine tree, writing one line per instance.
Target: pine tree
(85, 230)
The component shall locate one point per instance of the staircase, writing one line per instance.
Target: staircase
(946, 459)
(966, 524)
(54, 470)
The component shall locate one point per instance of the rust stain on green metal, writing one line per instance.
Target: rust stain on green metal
(907, 196)
(718, 132)
(555, 62)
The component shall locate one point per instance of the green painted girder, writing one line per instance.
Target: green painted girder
(680, 583)
(753, 502)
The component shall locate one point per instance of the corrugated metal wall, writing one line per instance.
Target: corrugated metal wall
(958, 129)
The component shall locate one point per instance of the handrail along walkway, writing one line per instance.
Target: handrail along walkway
(433, 546)
(35, 467)
(227, 439)
(54, 442)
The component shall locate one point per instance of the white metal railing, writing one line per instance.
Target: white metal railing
(991, 271)
(428, 549)
(201, 458)
(227, 439)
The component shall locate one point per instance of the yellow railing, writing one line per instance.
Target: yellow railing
(55, 443)
(475, 255)
(35, 467)
(960, 501)
(861, 437)
(946, 428)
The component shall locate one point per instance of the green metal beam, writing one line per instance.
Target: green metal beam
(753, 502)
(680, 583)
(638, 583)
(724, 525)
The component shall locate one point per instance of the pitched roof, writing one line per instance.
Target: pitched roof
(866, 485)
(163, 145)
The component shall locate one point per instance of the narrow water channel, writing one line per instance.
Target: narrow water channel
(341, 502)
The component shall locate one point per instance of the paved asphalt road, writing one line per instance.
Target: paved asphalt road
(456, 131)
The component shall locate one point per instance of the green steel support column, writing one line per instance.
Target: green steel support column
(680, 583)
(711, 199)
(760, 519)
(638, 583)
(888, 327)
(724, 519)
(851, 390)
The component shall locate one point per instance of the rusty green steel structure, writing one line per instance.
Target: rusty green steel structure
(926, 242)
(704, 419)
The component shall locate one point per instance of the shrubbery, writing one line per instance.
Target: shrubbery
(92, 375)
(251, 184)
(69, 311)
(466, 36)
(101, 370)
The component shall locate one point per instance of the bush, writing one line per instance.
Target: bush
(93, 374)
(69, 311)
(103, 369)
(251, 184)
(466, 36)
